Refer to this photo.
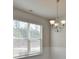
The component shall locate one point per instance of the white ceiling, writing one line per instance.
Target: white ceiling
(44, 8)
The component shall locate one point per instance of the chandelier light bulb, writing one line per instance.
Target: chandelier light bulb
(56, 24)
(63, 22)
(52, 22)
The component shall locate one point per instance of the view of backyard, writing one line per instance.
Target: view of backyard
(26, 38)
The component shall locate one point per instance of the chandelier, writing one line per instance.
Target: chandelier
(57, 24)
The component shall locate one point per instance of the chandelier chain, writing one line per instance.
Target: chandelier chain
(57, 10)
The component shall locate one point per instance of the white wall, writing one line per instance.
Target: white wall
(58, 43)
(24, 16)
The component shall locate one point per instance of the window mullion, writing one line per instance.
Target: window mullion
(41, 41)
(28, 38)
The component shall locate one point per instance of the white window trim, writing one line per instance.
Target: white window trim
(41, 43)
